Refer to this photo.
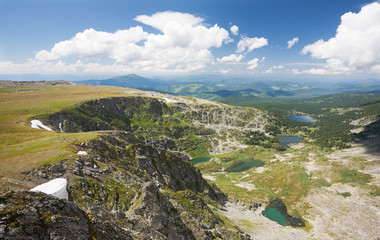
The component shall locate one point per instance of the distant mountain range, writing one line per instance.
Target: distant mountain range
(210, 88)
(130, 81)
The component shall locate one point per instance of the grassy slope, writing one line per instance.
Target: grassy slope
(23, 148)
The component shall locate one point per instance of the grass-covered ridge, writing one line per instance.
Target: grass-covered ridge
(22, 147)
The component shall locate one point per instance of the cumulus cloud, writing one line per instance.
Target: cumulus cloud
(183, 30)
(249, 44)
(60, 67)
(182, 45)
(120, 45)
(231, 58)
(278, 67)
(224, 71)
(292, 42)
(163, 20)
(252, 64)
(355, 47)
(313, 71)
(33, 66)
(234, 30)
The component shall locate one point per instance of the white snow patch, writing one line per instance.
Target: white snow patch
(39, 125)
(60, 127)
(82, 153)
(55, 187)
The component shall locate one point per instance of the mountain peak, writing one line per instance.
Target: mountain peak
(130, 80)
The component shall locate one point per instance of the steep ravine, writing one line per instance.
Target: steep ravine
(137, 181)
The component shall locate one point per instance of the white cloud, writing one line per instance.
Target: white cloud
(33, 66)
(313, 71)
(182, 30)
(252, 64)
(355, 47)
(59, 67)
(163, 20)
(249, 44)
(234, 30)
(182, 46)
(375, 69)
(231, 58)
(278, 67)
(292, 42)
(120, 45)
(224, 71)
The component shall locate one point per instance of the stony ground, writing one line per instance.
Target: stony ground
(258, 226)
(329, 214)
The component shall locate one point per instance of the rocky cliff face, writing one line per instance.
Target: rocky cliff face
(130, 184)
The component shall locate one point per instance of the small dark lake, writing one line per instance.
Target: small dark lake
(302, 118)
(288, 139)
(274, 215)
(199, 160)
(244, 165)
(277, 211)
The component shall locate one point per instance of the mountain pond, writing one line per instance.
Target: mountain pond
(274, 215)
(288, 139)
(277, 211)
(244, 165)
(199, 160)
(300, 118)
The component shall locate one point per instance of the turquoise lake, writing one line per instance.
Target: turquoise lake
(288, 139)
(244, 165)
(199, 160)
(274, 215)
(302, 118)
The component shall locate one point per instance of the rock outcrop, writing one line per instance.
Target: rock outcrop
(31, 215)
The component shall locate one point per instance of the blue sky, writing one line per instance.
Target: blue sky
(229, 37)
